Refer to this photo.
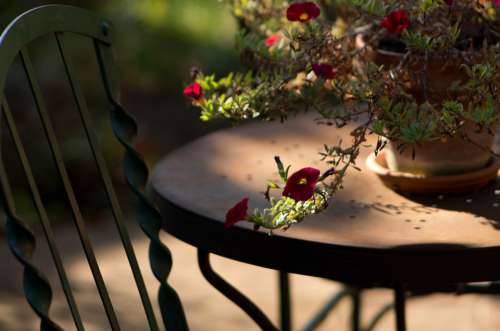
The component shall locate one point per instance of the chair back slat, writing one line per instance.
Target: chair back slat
(136, 174)
(81, 106)
(42, 213)
(68, 189)
(46, 20)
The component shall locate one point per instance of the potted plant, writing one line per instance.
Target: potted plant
(423, 75)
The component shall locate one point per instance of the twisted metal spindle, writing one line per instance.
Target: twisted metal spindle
(136, 175)
(36, 286)
(21, 241)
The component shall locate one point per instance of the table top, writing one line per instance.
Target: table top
(369, 234)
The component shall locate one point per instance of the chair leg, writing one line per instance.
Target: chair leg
(400, 303)
(356, 309)
(285, 302)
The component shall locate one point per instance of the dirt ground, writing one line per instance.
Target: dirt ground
(207, 310)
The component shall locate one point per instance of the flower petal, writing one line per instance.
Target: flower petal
(272, 39)
(300, 186)
(324, 70)
(238, 212)
(193, 91)
(302, 11)
(396, 21)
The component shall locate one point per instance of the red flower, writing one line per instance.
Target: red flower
(324, 70)
(272, 39)
(300, 186)
(449, 2)
(193, 91)
(396, 22)
(239, 212)
(302, 11)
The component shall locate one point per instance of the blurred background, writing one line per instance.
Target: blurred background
(157, 43)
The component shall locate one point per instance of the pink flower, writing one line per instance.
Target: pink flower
(238, 212)
(324, 70)
(302, 11)
(193, 91)
(300, 186)
(396, 22)
(272, 39)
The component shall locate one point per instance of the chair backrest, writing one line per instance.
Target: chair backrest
(58, 21)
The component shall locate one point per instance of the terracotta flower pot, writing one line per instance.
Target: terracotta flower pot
(437, 158)
(440, 74)
(441, 157)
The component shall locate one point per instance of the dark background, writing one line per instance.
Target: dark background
(157, 43)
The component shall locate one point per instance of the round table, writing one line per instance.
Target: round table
(369, 236)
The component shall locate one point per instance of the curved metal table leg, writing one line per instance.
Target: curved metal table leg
(389, 307)
(399, 304)
(285, 301)
(320, 316)
(232, 293)
(492, 288)
(378, 317)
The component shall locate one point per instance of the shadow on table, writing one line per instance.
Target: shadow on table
(482, 203)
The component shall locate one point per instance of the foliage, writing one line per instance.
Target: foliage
(284, 211)
(442, 72)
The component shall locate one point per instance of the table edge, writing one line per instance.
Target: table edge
(359, 265)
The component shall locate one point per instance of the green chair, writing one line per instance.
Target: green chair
(57, 22)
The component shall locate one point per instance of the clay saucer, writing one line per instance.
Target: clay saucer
(422, 184)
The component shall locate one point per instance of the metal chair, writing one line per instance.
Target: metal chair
(58, 21)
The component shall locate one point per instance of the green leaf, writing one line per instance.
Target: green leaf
(378, 127)
(485, 114)
(417, 41)
(281, 169)
(272, 184)
(428, 5)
